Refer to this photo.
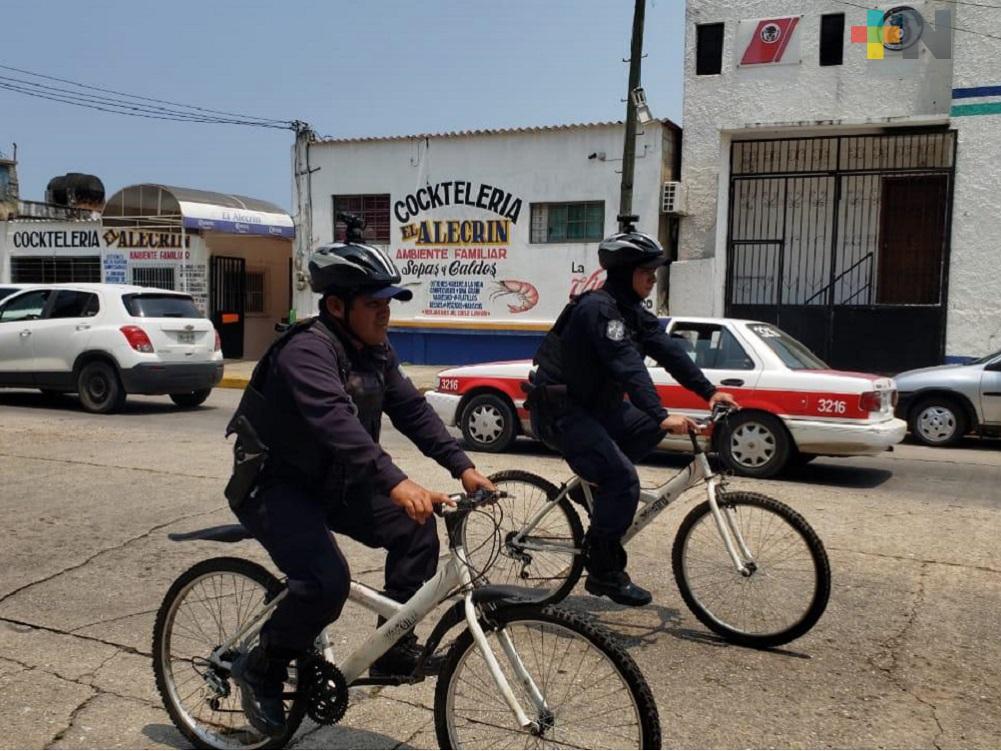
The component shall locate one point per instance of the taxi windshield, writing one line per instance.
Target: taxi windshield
(793, 354)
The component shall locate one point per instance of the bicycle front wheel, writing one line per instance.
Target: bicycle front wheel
(576, 684)
(546, 558)
(789, 583)
(204, 608)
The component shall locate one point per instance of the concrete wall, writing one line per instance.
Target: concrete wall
(781, 100)
(537, 166)
(974, 315)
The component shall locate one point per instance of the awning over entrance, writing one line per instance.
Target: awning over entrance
(165, 205)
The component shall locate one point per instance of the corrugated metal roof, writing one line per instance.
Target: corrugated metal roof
(484, 132)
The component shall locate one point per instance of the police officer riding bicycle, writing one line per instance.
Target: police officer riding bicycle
(309, 461)
(591, 357)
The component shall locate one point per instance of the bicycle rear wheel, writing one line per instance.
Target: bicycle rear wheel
(594, 694)
(204, 607)
(788, 588)
(546, 558)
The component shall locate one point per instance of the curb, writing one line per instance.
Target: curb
(233, 382)
(240, 382)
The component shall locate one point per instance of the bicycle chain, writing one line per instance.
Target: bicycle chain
(326, 692)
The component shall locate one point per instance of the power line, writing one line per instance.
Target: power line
(132, 112)
(954, 28)
(139, 97)
(132, 105)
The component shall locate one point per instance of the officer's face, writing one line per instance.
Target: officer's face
(369, 318)
(644, 281)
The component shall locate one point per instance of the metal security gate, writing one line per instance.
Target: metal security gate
(227, 298)
(843, 242)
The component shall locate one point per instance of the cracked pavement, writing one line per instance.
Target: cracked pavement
(906, 656)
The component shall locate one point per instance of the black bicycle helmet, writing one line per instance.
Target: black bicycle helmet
(353, 267)
(629, 250)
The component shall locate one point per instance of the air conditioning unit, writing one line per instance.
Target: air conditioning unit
(672, 198)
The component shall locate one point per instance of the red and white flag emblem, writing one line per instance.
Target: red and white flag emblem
(769, 40)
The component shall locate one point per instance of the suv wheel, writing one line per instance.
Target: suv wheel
(191, 398)
(488, 423)
(938, 421)
(99, 388)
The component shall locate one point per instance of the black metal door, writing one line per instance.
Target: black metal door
(821, 230)
(228, 294)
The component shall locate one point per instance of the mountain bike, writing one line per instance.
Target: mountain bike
(749, 567)
(519, 676)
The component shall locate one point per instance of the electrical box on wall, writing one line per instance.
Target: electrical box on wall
(672, 198)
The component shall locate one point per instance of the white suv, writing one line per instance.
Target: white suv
(103, 341)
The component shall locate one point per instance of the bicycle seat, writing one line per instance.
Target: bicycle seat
(221, 533)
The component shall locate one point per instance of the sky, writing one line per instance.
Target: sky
(349, 69)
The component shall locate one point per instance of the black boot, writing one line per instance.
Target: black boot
(606, 559)
(261, 678)
(402, 658)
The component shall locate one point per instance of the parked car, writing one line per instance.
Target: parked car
(942, 404)
(795, 408)
(6, 290)
(104, 341)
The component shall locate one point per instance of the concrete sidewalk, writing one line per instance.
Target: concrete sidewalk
(236, 374)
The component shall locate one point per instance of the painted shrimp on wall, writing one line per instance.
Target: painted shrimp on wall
(526, 296)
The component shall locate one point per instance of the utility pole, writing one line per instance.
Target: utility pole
(629, 147)
(303, 177)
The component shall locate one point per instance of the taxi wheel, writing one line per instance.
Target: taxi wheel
(754, 444)
(488, 423)
(937, 421)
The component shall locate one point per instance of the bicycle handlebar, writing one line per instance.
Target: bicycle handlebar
(465, 503)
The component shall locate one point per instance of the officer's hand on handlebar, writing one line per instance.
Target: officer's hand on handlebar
(472, 481)
(721, 397)
(417, 501)
(678, 424)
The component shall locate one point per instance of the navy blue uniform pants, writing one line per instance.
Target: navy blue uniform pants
(295, 528)
(601, 447)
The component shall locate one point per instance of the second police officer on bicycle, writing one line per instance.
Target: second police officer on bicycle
(314, 408)
(593, 355)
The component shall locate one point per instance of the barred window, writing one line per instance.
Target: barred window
(373, 208)
(255, 292)
(568, 222)
(55, 269)
(161, 277)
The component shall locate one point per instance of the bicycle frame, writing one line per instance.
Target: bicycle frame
(401, 617)
(652, 502)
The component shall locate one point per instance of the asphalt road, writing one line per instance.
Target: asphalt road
(907, 654)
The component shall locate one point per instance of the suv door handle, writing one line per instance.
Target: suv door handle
(26, 332)
(732, 382)
(82, 326)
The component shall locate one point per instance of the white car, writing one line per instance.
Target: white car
(103, 341)
(794, 408)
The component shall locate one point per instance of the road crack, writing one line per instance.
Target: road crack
(62, 632)
(101, 552)
(891, 647)
(72, 719)
(922, 561)
(101, 465)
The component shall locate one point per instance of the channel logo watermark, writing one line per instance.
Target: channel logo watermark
(900, 29)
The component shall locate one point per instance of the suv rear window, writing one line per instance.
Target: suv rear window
(160, 306)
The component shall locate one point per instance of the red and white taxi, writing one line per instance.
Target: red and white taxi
(794, 408)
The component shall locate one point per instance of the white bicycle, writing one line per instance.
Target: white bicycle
(519, 676)
(750, 568)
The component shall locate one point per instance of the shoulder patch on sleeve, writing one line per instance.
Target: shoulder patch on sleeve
(615, 330)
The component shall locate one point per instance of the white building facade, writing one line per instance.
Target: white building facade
(492, 230)
(844, 182)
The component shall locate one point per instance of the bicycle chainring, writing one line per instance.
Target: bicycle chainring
(326, 692)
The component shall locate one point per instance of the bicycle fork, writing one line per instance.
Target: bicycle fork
(500, 680)
(726, 525)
